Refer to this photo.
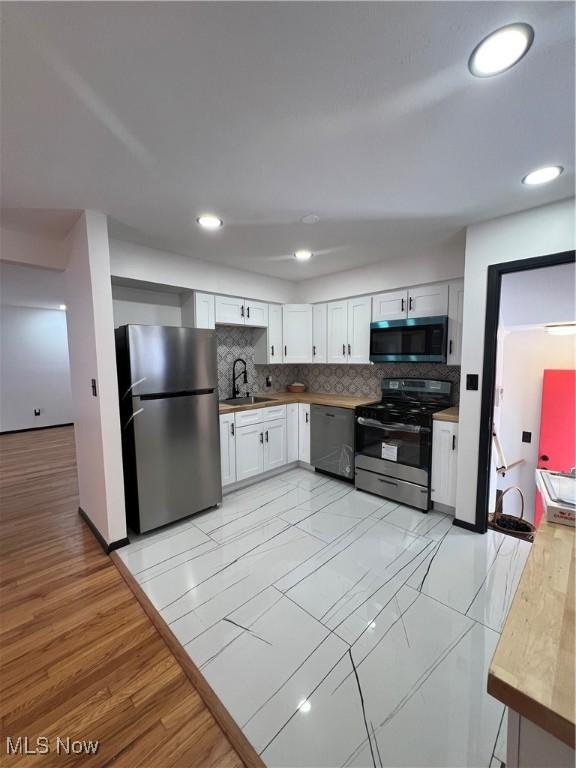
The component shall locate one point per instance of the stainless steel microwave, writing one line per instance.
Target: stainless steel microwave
(413, 340)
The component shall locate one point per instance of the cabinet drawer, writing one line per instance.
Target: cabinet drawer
(258, 415)
(272, 413)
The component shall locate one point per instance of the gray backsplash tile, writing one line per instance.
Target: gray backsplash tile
(234, 342)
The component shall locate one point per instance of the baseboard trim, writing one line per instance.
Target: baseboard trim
(107, 547)
(235, 736)
(467, 526)
(35, 429)
(231, 487)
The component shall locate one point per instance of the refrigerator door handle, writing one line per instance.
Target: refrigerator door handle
(140, 410)
(131, 387)
(183, 393)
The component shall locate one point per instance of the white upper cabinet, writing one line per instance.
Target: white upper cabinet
(319, 333)
(391, 305)
(230, 310)
(359, 311)
(455, 314)
(349, 331)
(297, 333)
(337, 338)
(255, 314)
(275, 353)
(428, 301)
(204, 310)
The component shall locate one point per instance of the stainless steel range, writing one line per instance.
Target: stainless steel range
(394, 440)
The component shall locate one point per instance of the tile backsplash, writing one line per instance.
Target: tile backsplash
(234, 342)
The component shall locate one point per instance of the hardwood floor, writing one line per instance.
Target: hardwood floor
(79, 656)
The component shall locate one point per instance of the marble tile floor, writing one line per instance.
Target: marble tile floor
(339, 629)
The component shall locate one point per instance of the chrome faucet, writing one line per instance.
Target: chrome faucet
(235, 376)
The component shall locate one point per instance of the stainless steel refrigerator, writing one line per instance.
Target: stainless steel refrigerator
(168, 390)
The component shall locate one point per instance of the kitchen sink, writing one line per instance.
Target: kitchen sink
(252, 400)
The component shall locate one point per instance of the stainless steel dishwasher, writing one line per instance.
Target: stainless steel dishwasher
(332, 440)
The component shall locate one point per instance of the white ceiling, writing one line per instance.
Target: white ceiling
(363, 113)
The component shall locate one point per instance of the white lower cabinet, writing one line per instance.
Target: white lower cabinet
(292, 432)
(260, 441)
(227, 448)
(304, 432)
(444, 462)
(274, 444)
(249, 451)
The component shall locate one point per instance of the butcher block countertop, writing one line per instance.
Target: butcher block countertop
(532, 671)
(315, 398)
(448, 414)
(323, 398)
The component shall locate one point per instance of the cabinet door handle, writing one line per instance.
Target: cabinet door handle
(261, 437)
(272, 349)
(344, 349)
(313, 350)
(285, 349)
(450, 347)
(349, 349)
(453, 442)
(266, 435)
(242, 311)
(247, 311)
(403, 302)
(307, 417)
(410, 302)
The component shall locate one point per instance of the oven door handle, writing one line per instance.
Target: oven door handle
(387, 426)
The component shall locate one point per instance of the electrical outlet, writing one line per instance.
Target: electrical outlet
(268, 381)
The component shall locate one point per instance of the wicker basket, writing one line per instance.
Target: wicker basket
(296, 388)
(510, 524)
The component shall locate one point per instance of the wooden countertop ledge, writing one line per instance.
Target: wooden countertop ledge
(323, 398)
(532, 671)
(316, 398)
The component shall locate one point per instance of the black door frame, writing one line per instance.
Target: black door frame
(493, 289)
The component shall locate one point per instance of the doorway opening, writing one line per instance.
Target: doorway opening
(527, 411)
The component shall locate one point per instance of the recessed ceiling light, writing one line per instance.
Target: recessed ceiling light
(310, 218)
(62, 307)
(303, 255)
(561, 329)
(501, 50)
(209, 221)
(542, 175)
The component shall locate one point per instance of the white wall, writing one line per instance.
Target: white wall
(137, 262)
(144, 307)
(30, 248)
(526, 355)
(532, 233)
(92, 356)
(34, 370)
(434, 265)
(538, 296)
